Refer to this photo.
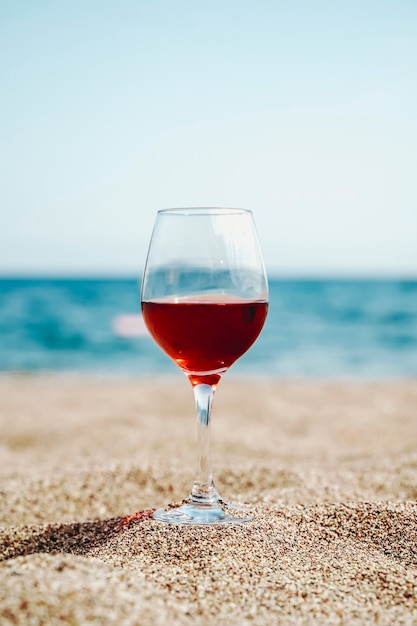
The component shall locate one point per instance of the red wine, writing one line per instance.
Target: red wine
(204, 337)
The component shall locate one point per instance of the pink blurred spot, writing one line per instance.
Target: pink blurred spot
(129, 326)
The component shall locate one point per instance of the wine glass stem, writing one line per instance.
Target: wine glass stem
(204, 491)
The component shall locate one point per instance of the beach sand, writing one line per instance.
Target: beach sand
(329, 470)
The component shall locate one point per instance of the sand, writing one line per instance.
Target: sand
(328, 469)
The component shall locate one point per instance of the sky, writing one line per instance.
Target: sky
(303, 111)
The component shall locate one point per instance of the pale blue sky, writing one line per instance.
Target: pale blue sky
(303, 111)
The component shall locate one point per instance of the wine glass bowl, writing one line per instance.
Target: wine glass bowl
(204, 300)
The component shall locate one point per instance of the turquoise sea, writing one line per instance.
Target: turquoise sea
(319, 328)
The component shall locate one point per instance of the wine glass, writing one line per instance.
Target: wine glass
(204, 300)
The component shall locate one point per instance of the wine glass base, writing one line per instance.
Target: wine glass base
(195, 513)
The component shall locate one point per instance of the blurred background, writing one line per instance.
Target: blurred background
(304, 112)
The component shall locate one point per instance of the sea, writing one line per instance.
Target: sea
(328, 328)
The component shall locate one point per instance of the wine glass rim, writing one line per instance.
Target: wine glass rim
(209, 210)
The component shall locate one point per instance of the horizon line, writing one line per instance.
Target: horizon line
(272, 275)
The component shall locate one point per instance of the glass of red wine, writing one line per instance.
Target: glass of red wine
(204, 300)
